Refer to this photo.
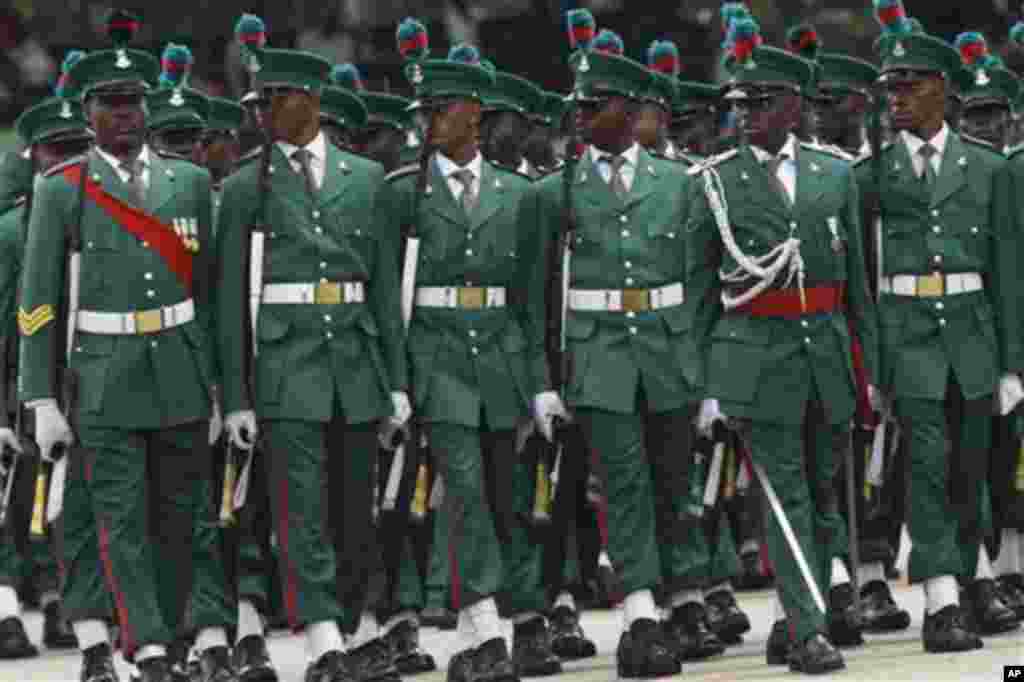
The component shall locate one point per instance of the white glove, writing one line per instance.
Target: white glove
(709, 413)
(1011, 392)
(547, 406)
(51, 428)
(241, 426)
(877, 400)
(216, 423)
(402, 407)
(9, 440)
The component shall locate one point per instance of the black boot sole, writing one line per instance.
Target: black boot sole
(627, 672)
(546, 670)
(966, 645)
(19, 654)
(414, 665)
(818, 669)
(265, 674)
(573, 648)
(893, 622)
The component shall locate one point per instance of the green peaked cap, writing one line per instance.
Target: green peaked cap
(176, 108)
(52, 120)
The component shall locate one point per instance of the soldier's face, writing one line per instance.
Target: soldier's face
(119, 121)
(504, 135)
(989, 122)
(293, 114)
(605, 122)
(651, 126)
(335, 133)
(181, 142)
(916, 101)
(218, 153)
(455, 125)
(695, 129)
(837, 110)
(383, 144)
(767, 117)
(46, 155)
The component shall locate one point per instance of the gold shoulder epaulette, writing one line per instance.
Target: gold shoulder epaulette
(701, 166)
(402, 171)
(64, 165)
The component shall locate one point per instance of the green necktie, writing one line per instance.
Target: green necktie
(134, 181)
(467, 198)
(928, 177)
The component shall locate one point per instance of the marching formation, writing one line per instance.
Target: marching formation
(352, 364)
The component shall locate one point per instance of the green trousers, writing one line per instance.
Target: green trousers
(129, 509)
(213, 599)
(437, 591)
(944, 513)
(303, 458)
(802, 475)
(473, 462)
(723, 559)
(649, 540)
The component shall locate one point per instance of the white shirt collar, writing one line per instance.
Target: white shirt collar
(632, 155)
(317, 147)
(116, 164)
(914, 143)
(447, 166)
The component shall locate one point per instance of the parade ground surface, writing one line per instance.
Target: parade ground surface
(884, 657)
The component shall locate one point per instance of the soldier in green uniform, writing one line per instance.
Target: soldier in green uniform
(138, 386)
(342, 115)
(479, 370)
(327, 353)
(544, 148)
(695, 113)
(774, 255)
(219, 148)
(987, 90)
(635, 379)
(507, 125)
(383, 137)
(947, 247)
(53, 131)
(844, 101)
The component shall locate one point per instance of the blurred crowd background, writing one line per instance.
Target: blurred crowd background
(522, 36)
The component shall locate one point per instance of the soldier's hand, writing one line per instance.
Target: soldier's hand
(52, 429)
(241, 426)
(547, 406)
(709, 413)
(1011, 391)
(216, 423)
(402, 407)
(9, 440)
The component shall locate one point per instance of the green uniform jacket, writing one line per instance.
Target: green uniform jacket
(493, 358)
(967, 225)
(315, 361)
(11, 245)
(142, 381)
(15, 179)
(636, 243)
(763, 368)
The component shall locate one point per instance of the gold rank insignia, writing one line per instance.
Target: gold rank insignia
(31, 322)
(187, 230)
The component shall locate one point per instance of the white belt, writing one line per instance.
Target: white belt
(929, 286)
(324, 293)
(138, 322)
(468, 298)
(626, 300)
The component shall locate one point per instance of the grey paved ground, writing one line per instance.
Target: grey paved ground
(892, 657)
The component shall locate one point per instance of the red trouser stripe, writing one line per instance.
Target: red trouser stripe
(291, 581)
(128, 643)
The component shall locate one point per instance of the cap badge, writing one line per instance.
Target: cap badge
(982, 78)
(899, 51)
(254, 64)
(584, 65)
(417, 74)
(176, 99)
(122, 59)
(65, 109)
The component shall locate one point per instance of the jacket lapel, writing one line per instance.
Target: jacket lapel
(953, 172)
(489, 196)
(161, 183)
(337, 176)
(810, 182)
(900, 175)
(591, 186)
(439, 197)
(644, 177)
(104, 175)
(772, 190)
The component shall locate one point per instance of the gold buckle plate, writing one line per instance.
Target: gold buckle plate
(328, 293)
(931, 286)
(636, 300)
(472, 298)
(148, 321)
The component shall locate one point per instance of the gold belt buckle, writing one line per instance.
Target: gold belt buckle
(472, 298)
(931, 286)
(148, 321)
(636, 300)
(328, 293)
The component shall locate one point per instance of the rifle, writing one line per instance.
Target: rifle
(238, 463)
(409, 443)
(53, 477)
